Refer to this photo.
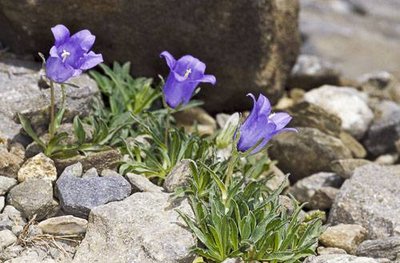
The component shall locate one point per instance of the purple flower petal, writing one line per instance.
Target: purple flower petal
(169, 59)
(208, 79)
(58, 71)
(90, 60)
(190, 67)
(84, 39)
(252, 134)
(178, 92)
(281, 119)
(60, 33)
(263, 105)
(54, 52)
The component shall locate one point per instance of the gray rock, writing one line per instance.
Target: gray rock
(196, 119)
(346, 237)
(323, 198)
(6, 183)
(92, 172)
(347, 103)
(38, 167)
(6, 238)
(64, 225)
(370, 198)
(384, 130)
(307, 152)
(143, 228)
(9, 163)
(345, 167)
(311, 72)
(305, 189)
(380, 84)
(309, 115)
(2, 203)
(24, 95)
(79, 195)
(387, 159)
(268, 33)
(13, 216)
(178, 177)
(330, 250)
(142, 184)
(360, 36)
(339, 258)
(100, 160)
(34, 196)
(380, 248)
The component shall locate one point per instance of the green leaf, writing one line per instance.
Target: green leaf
(79, 130)
(26, 125)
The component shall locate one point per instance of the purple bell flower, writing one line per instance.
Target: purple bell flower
(261, 125)
(186, 73)
(70, 55)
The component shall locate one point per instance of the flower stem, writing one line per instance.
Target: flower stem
(52, 110)
(167, 124)
(231, 165)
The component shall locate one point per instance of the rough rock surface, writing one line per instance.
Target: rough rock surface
(370, 198)
(142, 184)
(143, 228)
(32, 197)
(79, 195)
(346, 237)
(307, 152)
(380, 84)
(6, 238)
(38, 167)
(380, 248)
(138, 31)
(25, 95)
(347, 103)
(6, 184)
(384, 130)
(9, 163)
(340, 258)
(345, 167)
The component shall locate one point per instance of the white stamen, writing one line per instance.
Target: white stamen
(187, 73)
(65, 55)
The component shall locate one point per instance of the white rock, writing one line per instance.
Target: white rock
(64, 225)
(6, 238)
(2, 202)
(347, 103)
(6, 183)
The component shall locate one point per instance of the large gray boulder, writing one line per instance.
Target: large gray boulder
(370, 198)
(21, 91)
(143, 228)
(249, 45)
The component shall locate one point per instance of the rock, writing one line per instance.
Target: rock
(339, 258)
(323, 198)
(38, 167)
(64, 225)
(24, 95)
(387, 159)
(6, 183)
(268, 33)
(346, 237)
(311, 72)
(384, 130)
(277, 178)
(2, 203)
(370, 199)
(79, 195)
(6, 239)
(15, 216)
(307, 152)
(358, 35)
(142, 184)
(380, 84)
(380, 248)
(196, 119)
(305, 189)
(34, 196)
(330, 250)
(312, 116)
(92, 172)
(178, 177)
(107, 159)
(222, 119)
(347, 103)
(345, 167)
(356, 148)
(9, 163)
(118, 233)
(233, 260)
